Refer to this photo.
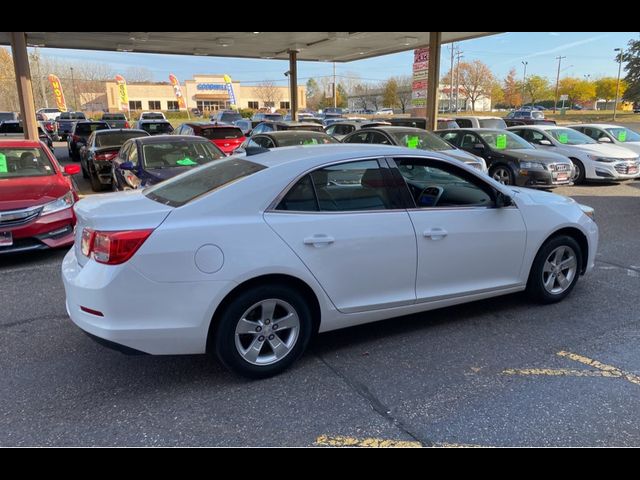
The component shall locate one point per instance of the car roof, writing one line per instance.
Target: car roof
(211, 125)
(109, 131)
(292, 133)
(165, 138)
(153, 120)
(17, 143)
(479, 117)
(392, 128)
(538, 127)
(598, 125)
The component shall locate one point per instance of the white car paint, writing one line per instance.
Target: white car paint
(361, 266)
(622, 158)
(604, 129)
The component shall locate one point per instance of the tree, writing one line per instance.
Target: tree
(476, 79)
(538, 88)
(405, 84)
(512, 89)
(313, 94)
(497, 93)
(632, 79)
(390, 93)
(138, 75)
(8, 88)
(268, 92)
(606, 88)
(576, 89)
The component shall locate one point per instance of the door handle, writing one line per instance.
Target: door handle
(318, 240)
(435, 233)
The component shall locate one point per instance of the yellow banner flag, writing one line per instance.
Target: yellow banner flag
(57, 92)
(122, 93)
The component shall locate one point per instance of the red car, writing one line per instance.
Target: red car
(226, 137)
(36, 198)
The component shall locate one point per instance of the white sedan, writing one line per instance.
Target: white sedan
(615, 134)
(249, 257)
(592, 160)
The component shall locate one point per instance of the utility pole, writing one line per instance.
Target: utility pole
(335, 93)
(73, 84)
(524, 81)
(451, 47)
(615, 103)
(458, 56)
(555, 98)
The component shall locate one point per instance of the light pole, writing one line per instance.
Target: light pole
(555, 99)
(524, 80)
(459, 56)
(615, 103)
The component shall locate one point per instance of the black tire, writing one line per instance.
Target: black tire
(510, 177)
(96, 186)
(224, 341)
(578, 165)
(535, 285)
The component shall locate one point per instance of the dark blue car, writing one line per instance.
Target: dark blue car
(146, 161)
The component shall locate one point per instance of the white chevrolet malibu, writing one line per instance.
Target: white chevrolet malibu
(248, 257)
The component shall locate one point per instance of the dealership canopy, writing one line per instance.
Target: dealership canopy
(308, 46)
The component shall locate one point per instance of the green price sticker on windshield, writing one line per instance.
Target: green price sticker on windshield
(3, 163)
(501, 142)
(186, 162)
(622, 136)
(310, 141)
(413, 141)
(563, 138)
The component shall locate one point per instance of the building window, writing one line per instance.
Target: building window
(172, 105)
(212, 105)
(284, 105)
(253, 105)
(135, 105)
(154, 105)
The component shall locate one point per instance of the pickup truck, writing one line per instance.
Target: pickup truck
(13, 129)
(116, 120)
(66, 121)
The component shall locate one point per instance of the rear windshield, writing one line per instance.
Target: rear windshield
(179, 153)
(160, 127)
(87, 128)
(72, 116)
(271, 116)
(7, 116)
(114, 116)
(182, 189)
(153, 116)
(11, 128)
(311, 139)
(230, 117)
(24, 162)
(115, 139)
(492, 123)
(221, 133)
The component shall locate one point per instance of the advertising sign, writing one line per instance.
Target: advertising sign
(57, 92)
(182, 104)
(420, 71)
(123, 96)
(232, 96)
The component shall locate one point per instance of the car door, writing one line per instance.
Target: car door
(347, 224)
(465, 244)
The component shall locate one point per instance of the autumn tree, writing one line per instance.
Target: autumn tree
(537, 88)
(578, 90)
(606, 88)
(8, 89)
(313, 94)
(476, 79)
(390, 93)
(405, 84)
(512, 89)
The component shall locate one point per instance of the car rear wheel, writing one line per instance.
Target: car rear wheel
(263, 331)
(502, 174)
(578, 175)
(555, 270)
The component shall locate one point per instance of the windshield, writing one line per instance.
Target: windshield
(159, 127)
(568, 136)
(7, 116)
(623, 134)
(115, 139)
(114, 116)
(24, 162)
(492, 123)
(420, 139)
(153, 116)
(293, 140)
(88, 128)
(221, 133)
(179, 154)
(230, 117)
(504, 140)
(180, 190)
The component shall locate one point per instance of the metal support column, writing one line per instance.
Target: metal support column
(293, 83)
(23, 82)
(433, 79)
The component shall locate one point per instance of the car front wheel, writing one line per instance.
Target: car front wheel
(502, 174)
(555, 270)
(578, 174)
(263, 331)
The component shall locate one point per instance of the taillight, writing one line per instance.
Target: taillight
(106, 156)
(75, 138)
(126, 125)
(112, 248)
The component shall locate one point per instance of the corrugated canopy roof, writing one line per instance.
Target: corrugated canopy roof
(313, 46)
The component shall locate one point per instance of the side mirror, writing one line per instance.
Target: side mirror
(503, 200)
(478, 146)
(604, 140)
(126, 166)
(545, 142)
(71, 169)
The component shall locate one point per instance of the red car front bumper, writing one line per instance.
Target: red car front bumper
(45, 231)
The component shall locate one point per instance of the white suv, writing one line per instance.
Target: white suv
(480, 122)
(592, 160)
(152, 116)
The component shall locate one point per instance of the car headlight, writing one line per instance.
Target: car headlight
(66, 201)
(531, 166)
(588, 211)
(597, 158)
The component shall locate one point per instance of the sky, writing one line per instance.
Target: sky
(587, 53)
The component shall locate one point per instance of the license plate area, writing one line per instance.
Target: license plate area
(6, 239)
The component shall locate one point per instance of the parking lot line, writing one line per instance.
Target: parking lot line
(601, 369)
(342, 441)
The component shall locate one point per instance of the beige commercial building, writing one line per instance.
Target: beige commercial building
(207, 92)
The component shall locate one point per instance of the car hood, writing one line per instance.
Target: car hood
(612, 151)
(531, 154)
(540, 196)
(633, 146)
(17, 193)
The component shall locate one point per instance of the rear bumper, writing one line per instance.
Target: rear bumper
(46, 231)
